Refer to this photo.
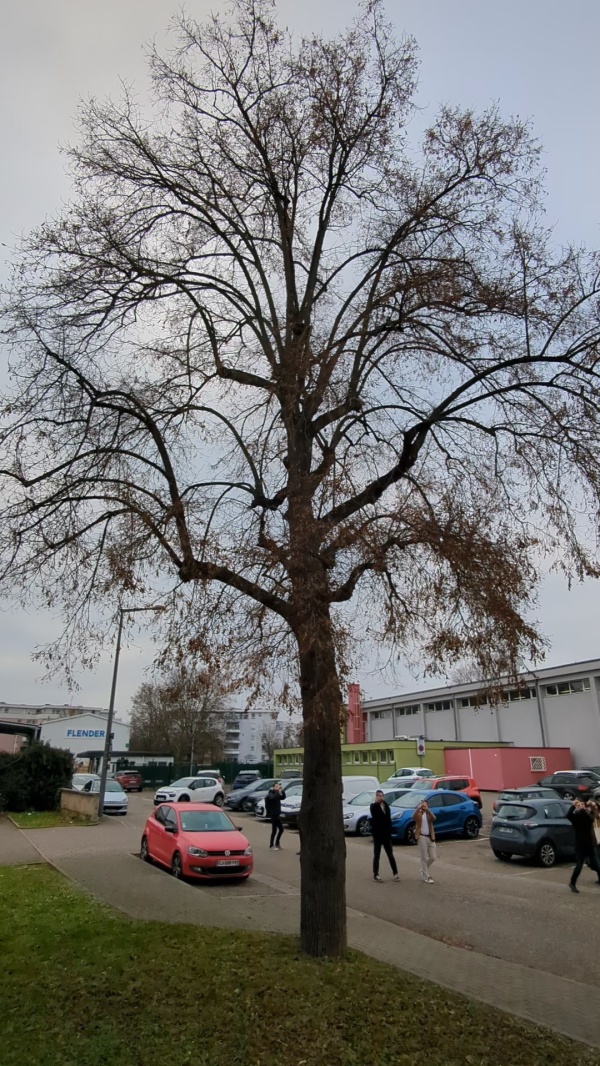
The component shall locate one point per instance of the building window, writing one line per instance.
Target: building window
(439, 705)
(383, 756)
(566, 688)
(374, 756)
(414, 708)
(390, 755)
(347, 756)
(365, 756)
(356, 756)
(519, 694)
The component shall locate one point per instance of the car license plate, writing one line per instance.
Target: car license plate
(228, 862)
(505, 829)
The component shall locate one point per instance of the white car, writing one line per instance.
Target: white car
(357, 812)
(406, 776)
(79, 781)
(115, 799)
(191, 790)
(293, 792)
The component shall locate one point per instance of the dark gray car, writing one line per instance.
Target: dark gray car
(245, 799)
(536, 828)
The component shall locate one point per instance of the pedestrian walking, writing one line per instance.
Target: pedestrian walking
(381, 829)
(425, 837)
(586, 850)
(273, 810)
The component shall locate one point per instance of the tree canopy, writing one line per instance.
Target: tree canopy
(329, 381)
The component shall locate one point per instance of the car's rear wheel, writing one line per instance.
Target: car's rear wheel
(410, 836)
(247, 805)
(144, 851)
(219, 800)
(183, 799)
(471, 828)
(569, 795)
(504, 856)
(546, 854)
(363, 827)
(176, 869)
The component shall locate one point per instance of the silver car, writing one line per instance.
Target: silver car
(115, 799)
(357, 812)
(294, 788)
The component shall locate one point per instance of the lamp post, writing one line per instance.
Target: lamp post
(111, 707)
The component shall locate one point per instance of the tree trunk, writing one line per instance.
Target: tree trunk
(323, 851)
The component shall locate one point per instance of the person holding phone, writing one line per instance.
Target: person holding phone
(425, 837)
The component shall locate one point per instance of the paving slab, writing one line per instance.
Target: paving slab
(15, 848)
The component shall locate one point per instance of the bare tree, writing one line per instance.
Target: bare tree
(182, 715)
(278, 353)
(275, 736)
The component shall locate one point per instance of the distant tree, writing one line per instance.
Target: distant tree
(276, 350)
(275, 736)
(184, 715)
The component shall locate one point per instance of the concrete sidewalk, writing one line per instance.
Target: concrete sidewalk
(268, 904)
(15, 848)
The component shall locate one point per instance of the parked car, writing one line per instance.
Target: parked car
(244, 778)
(292, 790)
(211, 773)
(406, 776)
(537, 829)
(573, 784)
(352, 786)
(291, 775)
(115, 799)
(195, 840)
(79, 781)
(454, 813)
(452, 783)
(191, 789)
(130, 780)
(517, 795)
(244, 799)
(357, 812)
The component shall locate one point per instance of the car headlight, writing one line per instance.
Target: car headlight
(248, 851)
(199, 852)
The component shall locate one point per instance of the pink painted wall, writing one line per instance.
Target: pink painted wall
(10, 743)
(498, 768)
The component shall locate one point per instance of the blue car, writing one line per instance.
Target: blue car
(454, 813)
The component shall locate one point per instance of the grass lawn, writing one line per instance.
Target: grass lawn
(80, 985)
(48, 819)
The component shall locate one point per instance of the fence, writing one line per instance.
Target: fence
(161, 773)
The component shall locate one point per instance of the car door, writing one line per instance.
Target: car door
(169, 839)
(155, 831)
(455, 812)
(436, 806)
(202, 789)
(559, 828)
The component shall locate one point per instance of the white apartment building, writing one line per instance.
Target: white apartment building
(555, 707)
(244, 734)
(37, 713)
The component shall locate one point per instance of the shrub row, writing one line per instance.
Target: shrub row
(31, 780)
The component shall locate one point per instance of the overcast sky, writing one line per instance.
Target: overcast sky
(537, 59)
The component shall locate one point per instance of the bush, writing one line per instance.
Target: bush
(32, 779)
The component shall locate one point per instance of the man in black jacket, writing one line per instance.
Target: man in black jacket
(381, 828)
(582, 821)
(273, 810)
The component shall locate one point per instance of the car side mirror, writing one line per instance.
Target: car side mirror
(240, 828)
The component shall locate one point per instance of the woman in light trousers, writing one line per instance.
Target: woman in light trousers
(425, 837)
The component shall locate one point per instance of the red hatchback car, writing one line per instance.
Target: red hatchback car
(196, 840)
(130, 780)
(454, 782)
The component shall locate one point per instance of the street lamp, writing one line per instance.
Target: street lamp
(111, 707)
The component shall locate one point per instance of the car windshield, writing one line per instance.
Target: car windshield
(113, 786)
(410, 800)
(295, 790)
(205, 822)
(364, 799)
(516, 812)
(181, 782)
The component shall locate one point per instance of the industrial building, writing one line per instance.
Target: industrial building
(557, 707)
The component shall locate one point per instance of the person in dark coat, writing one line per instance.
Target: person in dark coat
(582, 821)
(273, 810)
(381, 828)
